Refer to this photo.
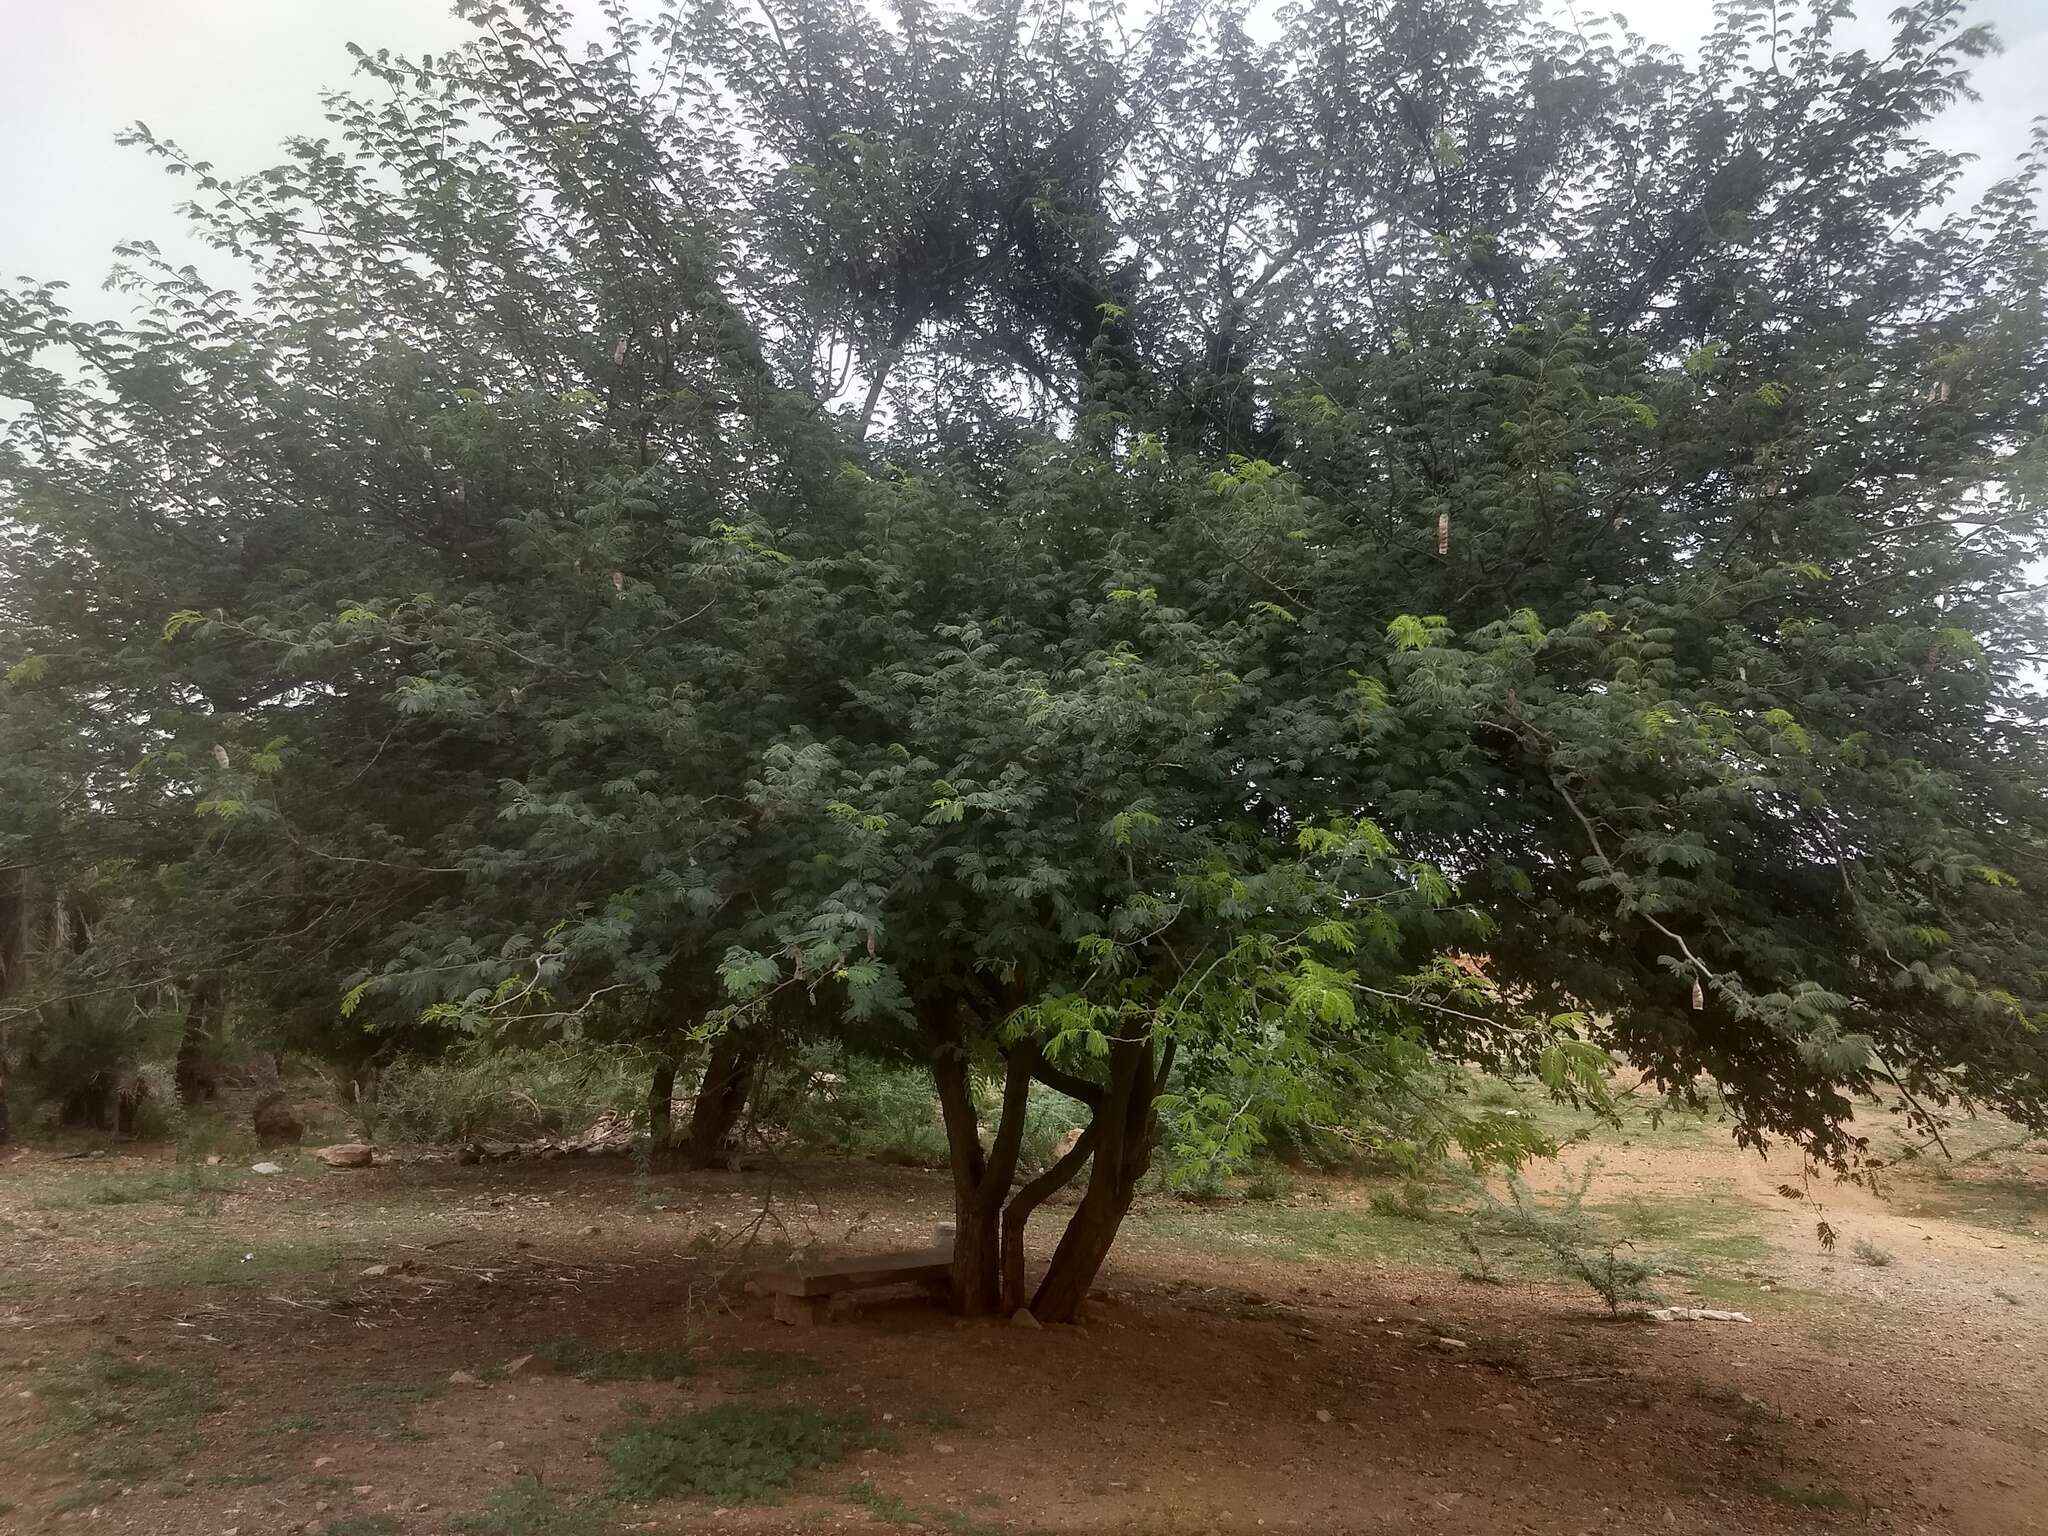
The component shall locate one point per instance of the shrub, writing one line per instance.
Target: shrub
(1869, 1253)
(508, 1091)
(1568, 1234)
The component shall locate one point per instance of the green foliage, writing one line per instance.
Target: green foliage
(508, 1091)
(525, 1507)
(735, 1453)
(104, 1392)
(877, 1505)
(1580, 1250)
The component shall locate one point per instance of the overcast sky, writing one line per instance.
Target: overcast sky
(229, 79)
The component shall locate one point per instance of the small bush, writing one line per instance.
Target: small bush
(1569, 1236)
(1867, 1252)
(885, 1507)
(736, 1453)
(1265, 1185)
(1409, 1203)
(511, 1091)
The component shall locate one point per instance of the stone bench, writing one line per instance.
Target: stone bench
(802, 1292)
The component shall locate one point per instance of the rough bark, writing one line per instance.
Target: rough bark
(14, 919)
(981, 1180)
(728, 1077)
(1017, 1215)
(1124, 1126)
(661, 1111)
(202, 1000)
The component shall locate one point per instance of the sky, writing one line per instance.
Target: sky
(230, 79)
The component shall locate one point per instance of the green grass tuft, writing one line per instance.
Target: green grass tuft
(525, 1508)
(587, 1361)
(736, 1453)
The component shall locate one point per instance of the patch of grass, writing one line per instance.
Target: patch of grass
(1795, 1497)
(760, 1369)
(587, 1361)
(361, 1525)
(525, 1508)
(878, 1505)
(1265, 1184)
(736, 1453)
(184, 1185)
(247, 1263)
(103, 1392)
(963, 1524)
(1408, 1203)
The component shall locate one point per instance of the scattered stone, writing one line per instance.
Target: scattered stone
(524, 1363)
(1322, 1415)
(464, 1379)
(322, 1461)
(376, 1272)
(496, 1446)
(266, 1168)
(1022, 1318)
(1697, 1315)
(347, 1154)
(1451, 1345)
(363, 1490)
(213, 1159)
(943, 1449)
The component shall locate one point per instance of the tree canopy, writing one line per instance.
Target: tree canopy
(1125, 550)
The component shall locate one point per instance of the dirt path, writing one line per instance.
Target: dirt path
(220, 1355)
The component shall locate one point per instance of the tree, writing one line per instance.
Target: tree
(1119, 562)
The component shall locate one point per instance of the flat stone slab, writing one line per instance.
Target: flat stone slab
(828, 1277)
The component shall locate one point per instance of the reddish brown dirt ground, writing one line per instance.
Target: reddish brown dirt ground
(1223, 1381)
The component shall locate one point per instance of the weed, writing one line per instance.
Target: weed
(526, 1508)
(1409, 1203)
(361, 1525)
(1788, 1494)
(885, 1507)
(104, 1392)
(1267, 1184)
(247, 1264)
(963, 1524)
(616, 1362)
(1567, 1233)
(736, 1453)
(1869, 1253)
(519, 1091)
(938, 1419)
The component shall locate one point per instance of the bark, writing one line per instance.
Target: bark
(981, 1180)
(1124, 1126)
(721, 1100)
(661, 1105)
(14, 905)
(1017, 1214)
(189, 1069)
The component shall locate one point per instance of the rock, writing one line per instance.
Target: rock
(322, 1461)
(1022, 1318)
(213, 1159)
(347, 1154)
(1322, 1415)
(1451, 1345)
(266, 1168)
(464, 1379)
(1697, 1315)
(275, 1120)
(376, 1272)
(943, 1449)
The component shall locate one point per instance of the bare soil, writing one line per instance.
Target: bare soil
(1303, 1364)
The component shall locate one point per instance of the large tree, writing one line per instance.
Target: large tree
(1116, 557)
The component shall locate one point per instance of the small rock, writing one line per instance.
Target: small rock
(524, 1363)
(322, 1461)
(1451, 1344)
(321, 1506)
(347, 1154)
(213, 1159)
(943, 1449)
(363, 1490)
(496, 1446)
(463, 1379)
(266, 1168)
(376, 1272)
(1022, 1318)
(1322, 1415)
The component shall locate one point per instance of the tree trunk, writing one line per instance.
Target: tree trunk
(202, 996)
(1017, 1214)
(722, 1098)
(981, 1181)
(14, 904)
(661, 1106)
(1124, 1126)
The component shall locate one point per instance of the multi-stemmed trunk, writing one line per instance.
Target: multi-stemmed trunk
(661, 1105)
(989, 1220)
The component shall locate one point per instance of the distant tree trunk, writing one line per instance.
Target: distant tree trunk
(202, 1008)
(661, 1105)
(1124, 1126)
(722, 1098)
(14, 904)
